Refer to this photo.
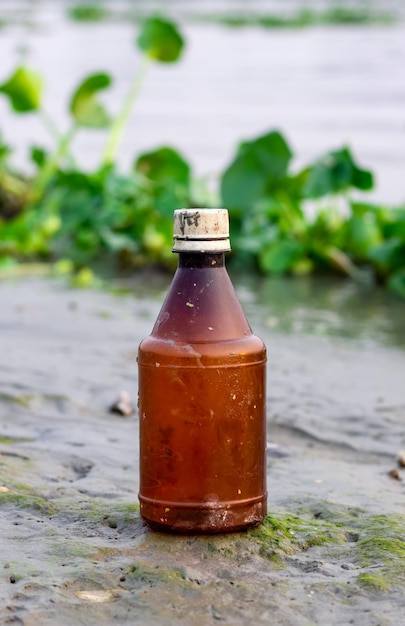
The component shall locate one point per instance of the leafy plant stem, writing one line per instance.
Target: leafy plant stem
(51, 165)
(342, 261)
(50, 125)
(121, 120)
(12, 184)
(54, 132)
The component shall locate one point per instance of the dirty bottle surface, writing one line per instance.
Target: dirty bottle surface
(202, 379)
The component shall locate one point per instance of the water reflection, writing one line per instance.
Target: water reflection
(323, 306)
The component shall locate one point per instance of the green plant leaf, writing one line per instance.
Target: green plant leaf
(171, 176)
(24, 89)
(38, 155)
(5, 152)
(160, 40)
(84, 278)
(85, 108)
(334, 173)
(281, 256)
(394, 225)
(88, 13)
(164, 166)
(396, 282)
(388, 256)
(259, 167)
(362, 234)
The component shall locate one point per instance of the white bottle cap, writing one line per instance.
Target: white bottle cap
(201, 230)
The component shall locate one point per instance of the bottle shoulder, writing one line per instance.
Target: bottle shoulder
(241, 350)
(201, 306)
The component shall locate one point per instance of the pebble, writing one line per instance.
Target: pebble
(123, 405)
(401, 458)
(394, 474)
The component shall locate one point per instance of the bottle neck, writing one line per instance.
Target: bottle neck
(201, 259)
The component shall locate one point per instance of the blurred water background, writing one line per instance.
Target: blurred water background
(322, 86)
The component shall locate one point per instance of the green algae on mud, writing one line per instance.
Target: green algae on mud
(374, 582)
(284, 534)
(7, 441)
(382, 544)
(378, 540)
(23, 400)
(152, 574)
(26, 501)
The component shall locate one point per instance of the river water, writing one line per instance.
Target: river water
(322, 86)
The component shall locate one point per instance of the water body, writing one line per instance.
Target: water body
(323, 87)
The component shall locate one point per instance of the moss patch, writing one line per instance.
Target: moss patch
(7, 441)
(382, 543)
(26, 501)
(374, 582)
(283, 534)
(152, 575)
(23, 400)
(377, 541)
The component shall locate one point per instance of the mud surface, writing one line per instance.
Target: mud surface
(73, 547)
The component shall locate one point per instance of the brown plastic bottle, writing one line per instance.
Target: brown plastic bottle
(202, 394)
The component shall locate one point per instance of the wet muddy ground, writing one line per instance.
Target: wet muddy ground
(73, 547)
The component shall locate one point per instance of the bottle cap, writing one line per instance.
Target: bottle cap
(201, 230)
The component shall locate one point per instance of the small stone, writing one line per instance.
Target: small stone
(394, 474)
(401, 458)
(275, 451)
(123, 405)
(348, 566)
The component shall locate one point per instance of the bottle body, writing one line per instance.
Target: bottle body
(202, 407)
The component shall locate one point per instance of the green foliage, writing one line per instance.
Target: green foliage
(160, 40)
(259, 168)
(354, 15)
(168, 176)
(396, 281)
(280, 256)
(272, 230)
(24, 90)
(13, 188)
(89, 218)
(82, 219)
(334, 173)
(88, 12)
(303, 17)
(85, 108)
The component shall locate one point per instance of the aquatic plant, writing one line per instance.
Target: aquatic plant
(336, 14)
(301, 18)
(79, 219)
